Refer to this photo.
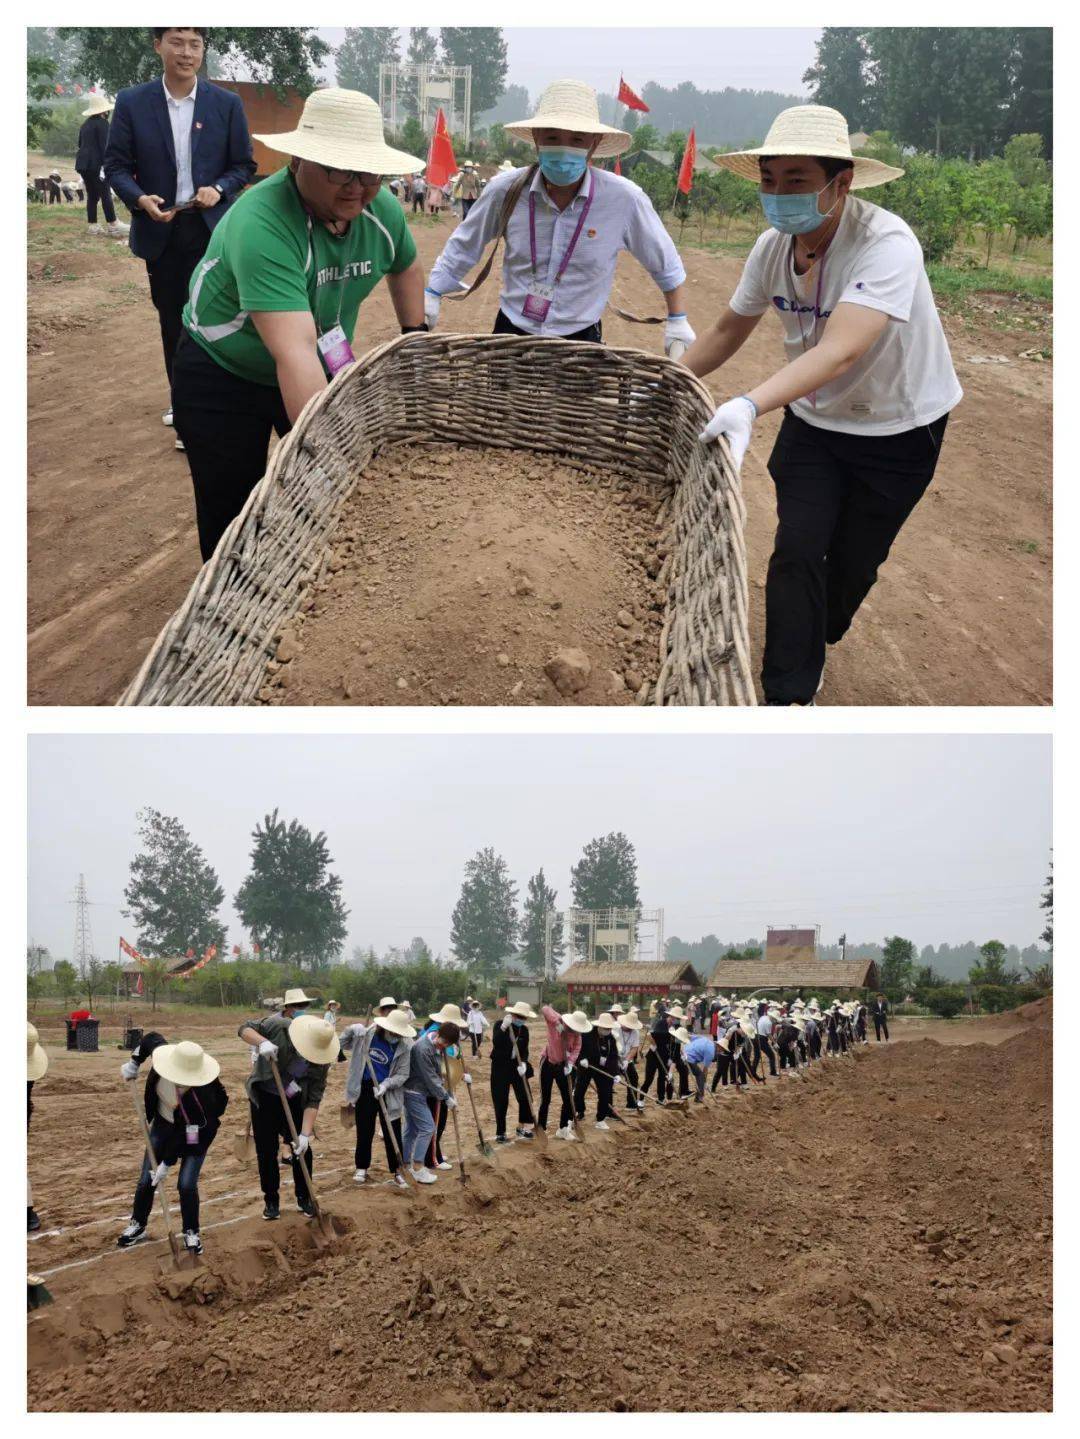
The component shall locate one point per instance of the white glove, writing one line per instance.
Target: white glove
(736, 421)
(159, 1174)
(451, 1102)
(302, 1145)
(467, 1078)
(568, 1069)
(584, 1063)
(560, 1029)
(129, 1070)
(677, 330)
(623, 1065)
(523, 1070)
(507, 1021)
(268, 1049)
(380, 1090)
(432, 301)
(616, 1079)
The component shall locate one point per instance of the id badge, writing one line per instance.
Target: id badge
(335, 350)
(538, 302)
(193, 1134)
(291, 1088)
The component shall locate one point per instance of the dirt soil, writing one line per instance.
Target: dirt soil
(886, 1222)
(458, 577)
(960, 616)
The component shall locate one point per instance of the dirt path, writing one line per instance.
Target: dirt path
(864, 1213)
(961, 616)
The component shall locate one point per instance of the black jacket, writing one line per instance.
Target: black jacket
(90, 155)
(203, 1105)
(503, 1054)
(590, 1047)
(607, 1052)
(881, 1007)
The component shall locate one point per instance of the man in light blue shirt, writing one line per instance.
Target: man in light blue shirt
(699, 1054)
(563, 237)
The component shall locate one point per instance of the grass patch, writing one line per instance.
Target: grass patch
(955, 283)
(1027, 547)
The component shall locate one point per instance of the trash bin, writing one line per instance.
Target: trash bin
(71, 1037)
(86, 1036)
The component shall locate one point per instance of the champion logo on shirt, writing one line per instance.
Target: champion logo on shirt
(350, 271)
(783, 303)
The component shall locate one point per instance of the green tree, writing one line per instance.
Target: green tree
(484, 49)
(992, 969)
(839, 75)
(282, 56)
(40, 86)
(91, 973)
(605, 877)
(173, 894)
(155, 974)
(539, 898)
(897, 964)
(46, 42)
(944, 89)
(484, 924)
(360, 54)
(1046, 904)
(290, 902)
(37, 957)
(646, 137)
(65, 979)
(1032, 107)
(411, 138)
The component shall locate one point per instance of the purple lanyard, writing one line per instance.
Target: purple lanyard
(817, 316)
(573, 243)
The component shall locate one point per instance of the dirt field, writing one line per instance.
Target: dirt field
(866, 1223)
(962, 615)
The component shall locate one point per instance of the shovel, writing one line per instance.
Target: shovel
(457, 1132)
(485, 1148)
(389, 1127)
(528, 1090)
(244, 1145)
(323, 1221)
(181, 1258)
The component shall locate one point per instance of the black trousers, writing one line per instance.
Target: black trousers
(722, 1070)
(367, 1111)
(841, 500)
(815, 1045)
(225, 424)
(97, 190)
(504, 1078)
(466, 206)
(789, 1059)
(476, 1040)
(170, 274)
(418, 204)
(683, 1072)
(654, 1065)
(268, 1125)
(553, 1074)
(592, 333)
(765, 1048)
(880, 1023)
(187, 1179)
(439, 1113)
(632, 1079)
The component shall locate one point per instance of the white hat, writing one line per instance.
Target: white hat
(507, 165)
(397, 1022)
(186, 1063)
(387, 1002)
(605, 1021)
(449, 1014)
(99, 105)
(571, 105)
(37, 1061)
(296, 996)
(342, 129)
(314, 1039)
(523, 1011)
(681, 1035)
(578, 1021)
(630, 1021)
(814, 130)
(616, 1009)
(675, 1011)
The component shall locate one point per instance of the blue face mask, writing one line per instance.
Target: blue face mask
(794, 214)
(562, 166)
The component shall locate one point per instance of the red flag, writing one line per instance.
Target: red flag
(686, 169)
(138, 984)
(441, 163)
(629, 99)
(618, 166)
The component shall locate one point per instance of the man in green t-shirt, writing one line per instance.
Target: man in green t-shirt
(273, 305)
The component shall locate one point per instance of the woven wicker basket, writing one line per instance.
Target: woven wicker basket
(631, 414)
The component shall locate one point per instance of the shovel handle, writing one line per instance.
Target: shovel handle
(296, 1140)
(453, 1116)
(174, 1243)
(472, 1101)
(386, 1120)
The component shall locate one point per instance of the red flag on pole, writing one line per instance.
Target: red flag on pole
(686, 169)
(629, 99)
(618, 166)
(441, 163)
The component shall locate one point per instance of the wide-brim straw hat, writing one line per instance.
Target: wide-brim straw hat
(296, 996)
(571, 105)
(631, 1022)
(314, 1039)
(397, 1022)
(387, 1002)
(816, 130)
(186, 1064)
(343, 129)
(675, 1011)
(681, 1035)
(616, 1009)
(449, 1014)
(99, 105)
(747, 1028)
(522, 1010)
(605, 1021)
(37, 1061)
(578, 1021)
(508, 165)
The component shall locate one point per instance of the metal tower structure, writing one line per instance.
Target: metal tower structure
(605, 936)
(83, 951)
(420, 89)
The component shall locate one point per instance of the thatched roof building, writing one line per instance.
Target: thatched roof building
(647, 977)
(809, 975)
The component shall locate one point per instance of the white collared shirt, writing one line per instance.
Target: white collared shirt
(621, 217)
(181, 118)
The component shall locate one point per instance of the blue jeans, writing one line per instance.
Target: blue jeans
(419, 1127)
(188, 1183)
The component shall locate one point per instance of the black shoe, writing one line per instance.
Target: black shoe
(272, 1210)
(133, 1234)
(502, 1139)
(306, 1208)
(32, 1220)
(524, 1133)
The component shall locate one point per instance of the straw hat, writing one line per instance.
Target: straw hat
(186, 1064)
(570, 105)
(631, 1022)
(387, 1002)
(314, 1039)
(449, 1014)
(578, 1021)
(605, 1021)
(675, 1011)
(507, 165)
(681, 1035)
(747, 1028)
(616, 1009)
(296, 996)
(814, 130)
(522, 1010)
(397, 1022)
(99, 105)
(343, 129)
(37, 1061)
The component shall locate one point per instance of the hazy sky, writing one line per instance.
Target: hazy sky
(746, 59)
(937, 838)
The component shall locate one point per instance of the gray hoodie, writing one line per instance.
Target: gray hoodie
(356, 1041)
(425, 1070)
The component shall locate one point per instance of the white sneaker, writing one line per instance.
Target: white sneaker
(179, 445)
(118, 229)
(360, 1176)
(444, 1164)
(166, 418)
(94, 230)
(400, 1180)
(601, 1124)
(424, 1176)
(192, 1242)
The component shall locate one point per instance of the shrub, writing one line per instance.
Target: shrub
(947, 1001)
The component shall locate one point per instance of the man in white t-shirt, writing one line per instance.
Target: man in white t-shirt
(866, 390)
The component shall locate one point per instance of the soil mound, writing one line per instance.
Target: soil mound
(465, 576)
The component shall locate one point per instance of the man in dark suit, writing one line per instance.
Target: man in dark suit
(179, 153)
(880, 1014)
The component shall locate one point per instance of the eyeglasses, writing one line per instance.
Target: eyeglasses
(343, 177)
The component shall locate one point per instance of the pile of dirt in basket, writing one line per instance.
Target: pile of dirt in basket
(490, 577)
